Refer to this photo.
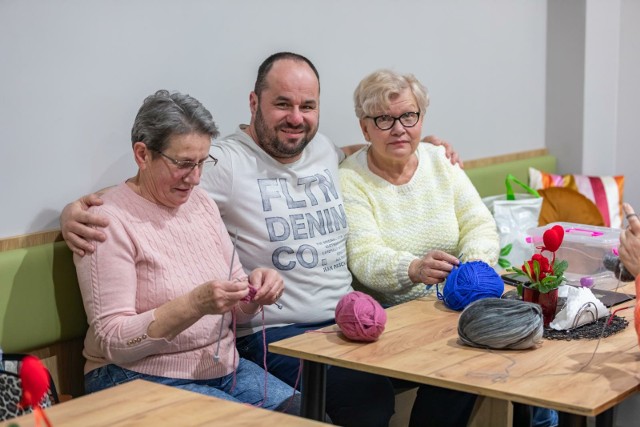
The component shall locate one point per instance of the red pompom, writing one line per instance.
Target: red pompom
(35, 381)
(553, 237)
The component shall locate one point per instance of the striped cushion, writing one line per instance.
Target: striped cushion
(605, 191)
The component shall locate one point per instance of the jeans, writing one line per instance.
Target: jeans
(249, 388)
(358, 398)
(543, 417)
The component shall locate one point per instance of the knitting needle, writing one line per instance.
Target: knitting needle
(233, 254)
(216, 356)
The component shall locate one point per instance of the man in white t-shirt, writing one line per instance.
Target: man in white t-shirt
(276, 185)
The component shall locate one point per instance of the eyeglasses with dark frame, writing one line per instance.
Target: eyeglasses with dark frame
(188, 165)
(386, 122)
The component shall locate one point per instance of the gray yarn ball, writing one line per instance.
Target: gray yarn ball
(501, 324)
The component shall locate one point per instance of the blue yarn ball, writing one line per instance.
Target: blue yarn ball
(470, 282)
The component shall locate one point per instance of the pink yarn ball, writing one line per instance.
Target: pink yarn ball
(360, 317)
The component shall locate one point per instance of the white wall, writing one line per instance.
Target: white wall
(628, 131)
(566, 22)
(602, 66)
(593, 91)
(74, 72)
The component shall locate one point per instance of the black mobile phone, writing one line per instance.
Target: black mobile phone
(515, 279)
(611, 298)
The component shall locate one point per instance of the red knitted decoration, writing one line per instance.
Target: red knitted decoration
(35, 383)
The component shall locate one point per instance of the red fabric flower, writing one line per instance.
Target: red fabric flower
(544, 267)
(549, 273)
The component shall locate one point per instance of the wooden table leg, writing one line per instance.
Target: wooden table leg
(313, 389)
(605, 419)
(571, 420)
(522, 415)
(491, 412)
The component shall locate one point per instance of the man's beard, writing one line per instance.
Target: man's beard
(269, 141)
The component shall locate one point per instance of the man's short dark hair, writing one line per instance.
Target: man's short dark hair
(267, 64)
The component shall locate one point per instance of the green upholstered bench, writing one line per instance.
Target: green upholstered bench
(41, 310)
(40, 300)
(488, 175)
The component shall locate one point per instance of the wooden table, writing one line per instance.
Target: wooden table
(420, 343)
(143, 403)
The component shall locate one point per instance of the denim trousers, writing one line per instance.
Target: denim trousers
(249, 387)
(543, 417)
(357, 398)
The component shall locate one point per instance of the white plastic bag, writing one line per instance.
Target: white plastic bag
(514, 215)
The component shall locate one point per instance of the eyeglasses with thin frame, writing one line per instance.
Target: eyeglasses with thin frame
(386, 122)
(187, 165)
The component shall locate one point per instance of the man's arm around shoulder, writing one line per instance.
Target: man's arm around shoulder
(80, 228)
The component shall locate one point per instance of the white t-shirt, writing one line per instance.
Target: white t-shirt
(289, 217)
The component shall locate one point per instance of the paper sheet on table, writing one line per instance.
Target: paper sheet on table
(577, 298)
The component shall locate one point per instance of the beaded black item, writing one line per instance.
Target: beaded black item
(589, 331)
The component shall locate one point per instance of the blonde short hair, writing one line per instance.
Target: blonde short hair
(374, 93)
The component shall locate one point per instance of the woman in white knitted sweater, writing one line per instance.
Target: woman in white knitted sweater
(411, 213)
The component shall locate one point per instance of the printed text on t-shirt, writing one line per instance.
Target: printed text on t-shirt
(315, 209)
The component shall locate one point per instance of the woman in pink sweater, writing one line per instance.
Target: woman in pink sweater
(163, 290)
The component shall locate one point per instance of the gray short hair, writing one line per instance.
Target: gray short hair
(165, 114)
(374, 93)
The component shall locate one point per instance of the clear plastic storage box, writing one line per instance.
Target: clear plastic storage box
(584, 248)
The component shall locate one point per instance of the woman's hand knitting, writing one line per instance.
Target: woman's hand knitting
(214, 297)
(218, 296)
(432, 268)
(268, 284)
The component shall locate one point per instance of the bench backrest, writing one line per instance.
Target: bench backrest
(40, 300)
(489, 179)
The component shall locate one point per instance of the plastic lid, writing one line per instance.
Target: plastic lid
(579, 233)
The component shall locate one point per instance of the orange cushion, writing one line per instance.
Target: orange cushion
(605, 191)
(561, 204)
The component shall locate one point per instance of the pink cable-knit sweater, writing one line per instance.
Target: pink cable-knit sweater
(154, 254)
